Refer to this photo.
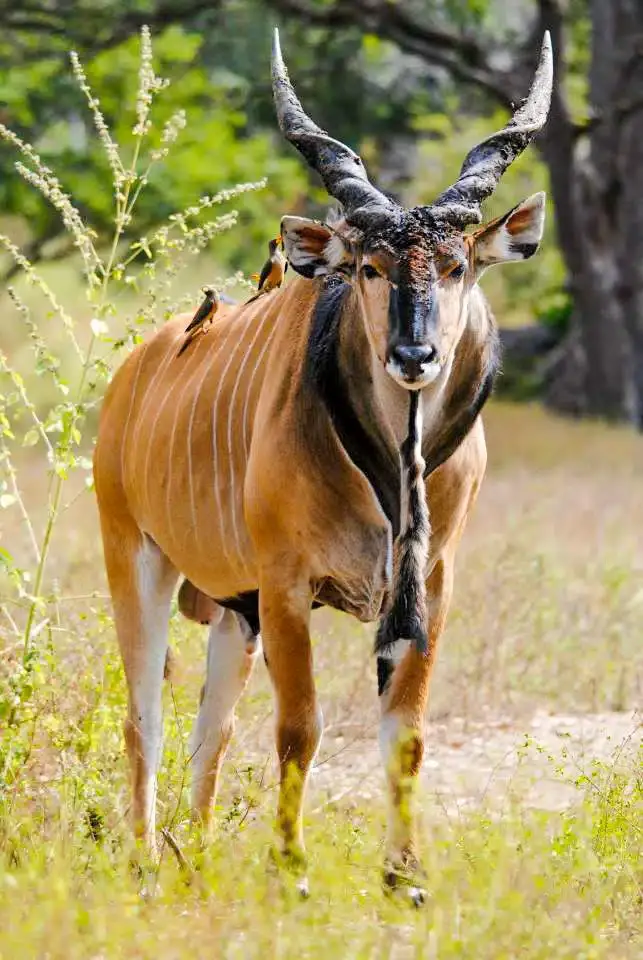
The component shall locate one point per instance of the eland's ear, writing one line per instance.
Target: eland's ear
(513, 237)
(312, 248)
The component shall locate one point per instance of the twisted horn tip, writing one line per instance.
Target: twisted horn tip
(277, 57)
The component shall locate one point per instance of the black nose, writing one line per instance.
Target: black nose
(412, 359)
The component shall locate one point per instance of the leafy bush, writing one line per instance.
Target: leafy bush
(215, 138)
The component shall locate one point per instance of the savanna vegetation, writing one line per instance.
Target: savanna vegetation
(120, 195)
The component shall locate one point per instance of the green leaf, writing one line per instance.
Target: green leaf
(6, 558)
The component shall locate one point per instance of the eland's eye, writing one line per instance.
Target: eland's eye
(369, 272)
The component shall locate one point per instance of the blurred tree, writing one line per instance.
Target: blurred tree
(217, 54)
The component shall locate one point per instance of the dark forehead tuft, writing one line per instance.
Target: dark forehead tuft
(413, 244)
(411, 237)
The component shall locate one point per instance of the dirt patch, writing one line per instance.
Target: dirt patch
(485, 763)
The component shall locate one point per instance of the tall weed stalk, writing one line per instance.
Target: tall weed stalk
(30, 604)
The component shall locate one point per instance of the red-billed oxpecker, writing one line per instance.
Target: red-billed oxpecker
(273, 271)
(320, 446)
(203, 317)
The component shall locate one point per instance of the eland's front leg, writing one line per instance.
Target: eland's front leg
(285, 619)
(403, 702)
(404, 676)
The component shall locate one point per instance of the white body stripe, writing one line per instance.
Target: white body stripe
(197, 394)
(215, 465)
(246, 406)
(188, 382)
(150, 440)
(129, 410)
(233, 396)
(160, 370)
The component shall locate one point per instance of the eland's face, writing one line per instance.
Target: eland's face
(413, 281)
(412, 286)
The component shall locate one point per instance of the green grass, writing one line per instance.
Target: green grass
(530, 884)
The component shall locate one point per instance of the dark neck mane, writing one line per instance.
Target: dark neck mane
(334, 375)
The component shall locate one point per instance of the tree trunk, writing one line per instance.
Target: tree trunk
(597, 189)
(628, 151)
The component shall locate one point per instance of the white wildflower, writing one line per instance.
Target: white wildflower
(171, 130)
(148, 85)
(51, 189)
(111, 148)
(179, 220)
(49, 185)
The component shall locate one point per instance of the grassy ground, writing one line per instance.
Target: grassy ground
(542, 861)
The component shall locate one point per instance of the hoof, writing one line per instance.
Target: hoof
(289, 867)
(303, 889)
(143, 865)
(417, 896)
(292, 861)
(149, 887)
(406, 881)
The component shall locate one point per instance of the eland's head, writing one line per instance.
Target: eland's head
(412, 270)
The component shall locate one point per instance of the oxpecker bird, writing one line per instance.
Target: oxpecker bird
(273, 270)
(202, 318)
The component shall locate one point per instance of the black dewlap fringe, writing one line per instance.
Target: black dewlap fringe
(407, 615)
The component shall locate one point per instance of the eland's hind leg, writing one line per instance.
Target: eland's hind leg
(141, 581)
(232, 651)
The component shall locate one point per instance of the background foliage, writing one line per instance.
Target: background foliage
(391, 107)
(388, 77)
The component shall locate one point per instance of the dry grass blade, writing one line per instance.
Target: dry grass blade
(184, 865)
